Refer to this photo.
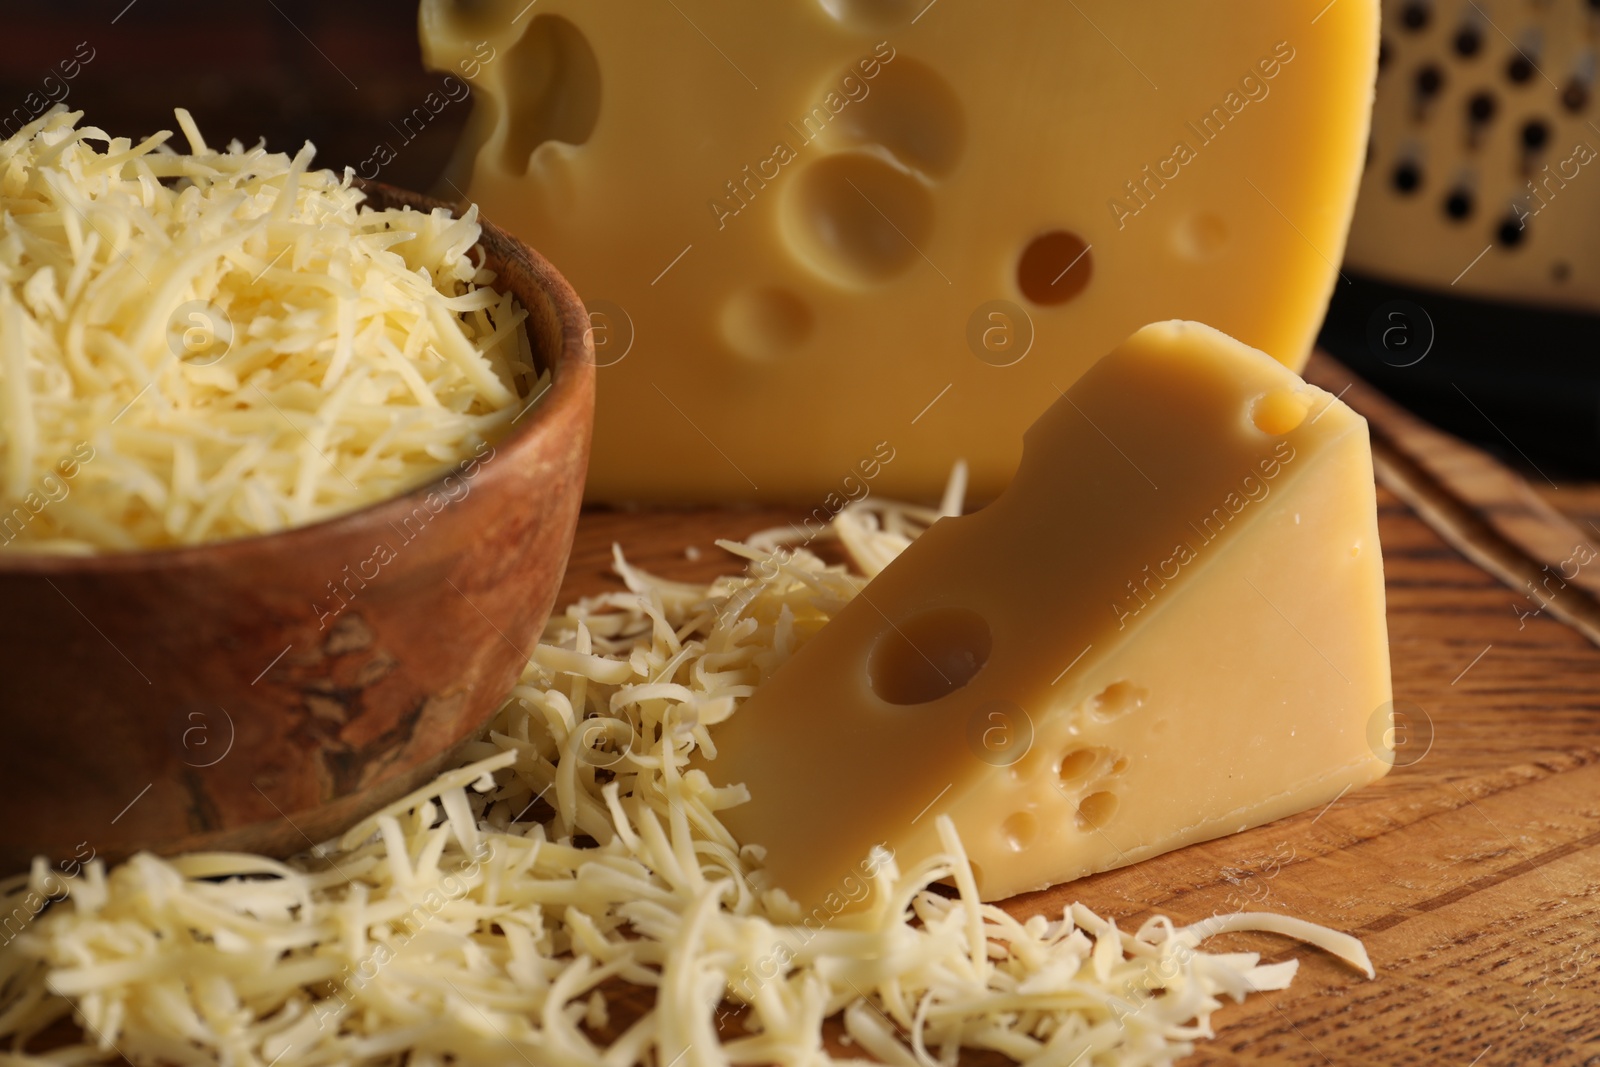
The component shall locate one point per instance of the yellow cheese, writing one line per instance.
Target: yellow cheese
(207, 345)
(1170, 627)
(845, 222)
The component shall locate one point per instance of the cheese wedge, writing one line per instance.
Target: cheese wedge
(1170, 627)
(806, 227)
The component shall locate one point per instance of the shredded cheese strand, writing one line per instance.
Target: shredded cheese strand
(488, 916)
(205, 346)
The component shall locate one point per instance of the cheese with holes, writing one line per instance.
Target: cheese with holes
(1169, 627)
(844, 222)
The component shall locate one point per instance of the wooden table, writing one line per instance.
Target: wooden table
(1472, 873)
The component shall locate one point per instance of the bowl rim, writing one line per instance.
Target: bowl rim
(572, 375)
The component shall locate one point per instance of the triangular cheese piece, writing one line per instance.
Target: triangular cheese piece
(1169, 627)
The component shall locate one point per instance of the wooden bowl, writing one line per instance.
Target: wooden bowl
(197, 697)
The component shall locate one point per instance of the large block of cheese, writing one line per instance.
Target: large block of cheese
(808, 227)
(1168, 628)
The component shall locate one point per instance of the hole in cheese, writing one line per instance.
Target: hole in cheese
(1020, 830)
(1055, 267)
(558, 96)
(910, 110)
(765, 322)
(1117, 699)
(1078, 764)
(1201, 236)
(1096, 810)
(929, 656)
(854, 218)
(1278, 413)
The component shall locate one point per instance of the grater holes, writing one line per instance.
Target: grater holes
(1480, 112)
(1430, 79)
(1519, 69)
(1407, 177)
(1575, 94)
(1468, 41)
(1511, 233)
(1481, 107)
(1415, 15)
(1535, 134)
(1458, 205)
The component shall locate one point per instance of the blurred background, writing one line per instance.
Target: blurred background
(1471, 281)
(335, 73)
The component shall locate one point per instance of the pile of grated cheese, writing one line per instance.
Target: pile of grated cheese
(220, 343)
(502, 913)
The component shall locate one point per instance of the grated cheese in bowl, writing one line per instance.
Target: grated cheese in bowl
(502, 913)
(206, 345)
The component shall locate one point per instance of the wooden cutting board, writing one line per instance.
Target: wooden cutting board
(1472, 873)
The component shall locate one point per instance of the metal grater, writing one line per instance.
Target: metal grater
(1472, 274)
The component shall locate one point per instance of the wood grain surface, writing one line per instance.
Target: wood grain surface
(1472, 873)
(1480, 506)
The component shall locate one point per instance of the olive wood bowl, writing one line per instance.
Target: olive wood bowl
(210, 697)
